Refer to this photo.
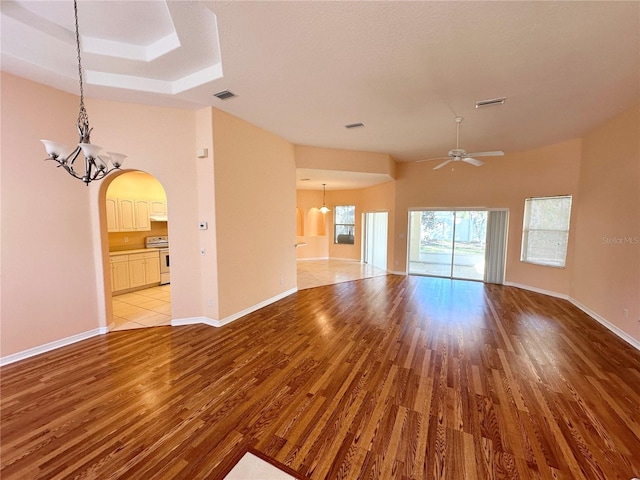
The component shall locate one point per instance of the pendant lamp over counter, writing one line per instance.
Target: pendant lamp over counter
(324, 208)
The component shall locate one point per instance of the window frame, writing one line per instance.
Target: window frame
(351, 227)
(525, 251)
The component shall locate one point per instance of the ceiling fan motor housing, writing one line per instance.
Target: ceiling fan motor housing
(457, 153)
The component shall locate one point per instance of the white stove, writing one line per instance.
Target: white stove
(157, 242)
(161, 243)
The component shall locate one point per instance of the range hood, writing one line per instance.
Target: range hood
(157, 217)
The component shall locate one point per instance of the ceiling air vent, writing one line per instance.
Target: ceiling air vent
(354, 125)
(488, 103)
(224, 94)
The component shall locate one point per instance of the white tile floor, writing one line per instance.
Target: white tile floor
(144, 308)
(152, 307)
(314, 273)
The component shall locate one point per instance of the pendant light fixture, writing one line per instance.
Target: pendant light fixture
(324, 208)
(95, 165)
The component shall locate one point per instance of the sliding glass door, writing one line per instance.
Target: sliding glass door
(448, 243)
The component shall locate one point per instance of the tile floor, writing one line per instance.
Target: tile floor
(314, 273)
(152, 307)
(144, 308)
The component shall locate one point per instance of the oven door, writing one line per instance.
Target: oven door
(164, 266)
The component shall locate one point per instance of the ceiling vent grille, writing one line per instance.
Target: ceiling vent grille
(488, 103)
(354, 125)
(224, 95)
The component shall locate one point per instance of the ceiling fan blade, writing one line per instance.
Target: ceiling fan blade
(429, 159)
(442, 164)
(473, 161)
(497, 153)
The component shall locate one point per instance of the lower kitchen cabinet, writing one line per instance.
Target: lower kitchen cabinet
(134, 270)
(119, 272)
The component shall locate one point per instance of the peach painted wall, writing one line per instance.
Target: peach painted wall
(60, 290)
(345, 160)
(48, 272)
(503, 182)
(606, 273)
(161, 142)
(255, 197)
(207, 240)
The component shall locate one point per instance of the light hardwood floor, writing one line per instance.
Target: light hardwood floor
(389, 377)
(151, 307)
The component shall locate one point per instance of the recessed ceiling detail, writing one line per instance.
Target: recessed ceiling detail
(173, 50)
(302, 68)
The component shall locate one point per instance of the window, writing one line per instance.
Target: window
(344, 221)
(546, 230)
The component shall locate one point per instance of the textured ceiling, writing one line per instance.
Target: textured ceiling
(303, 70)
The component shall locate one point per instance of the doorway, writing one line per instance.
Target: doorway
(136, 213)
(374, 242)
(453, 244)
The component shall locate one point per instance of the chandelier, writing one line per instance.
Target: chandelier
(95, 164)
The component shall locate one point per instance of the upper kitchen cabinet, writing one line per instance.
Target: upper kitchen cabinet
(134, 199)
(128, 215)
(158, 207)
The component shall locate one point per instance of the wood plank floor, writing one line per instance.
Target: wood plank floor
(389, 377)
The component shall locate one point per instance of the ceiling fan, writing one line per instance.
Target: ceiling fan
(460, 154)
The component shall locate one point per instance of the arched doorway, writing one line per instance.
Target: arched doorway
(137, 232)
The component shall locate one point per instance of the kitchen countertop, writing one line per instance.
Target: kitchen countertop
(136, 250)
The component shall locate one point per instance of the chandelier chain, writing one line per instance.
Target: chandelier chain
(83, 118)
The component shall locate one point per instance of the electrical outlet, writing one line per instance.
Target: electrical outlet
(210, 302)
(126, 239)
(625, 312)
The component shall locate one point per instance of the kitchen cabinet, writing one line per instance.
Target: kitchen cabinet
(119, 272)
(128, 215)
(143, 222)
(134, 270)
(158, 207)
(112, 215)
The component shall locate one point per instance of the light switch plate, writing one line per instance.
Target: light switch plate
(203, 225)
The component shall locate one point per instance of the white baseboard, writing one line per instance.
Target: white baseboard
(537, 290)
(605, 323)
(312, 258)
(601, 320)
(220, 323)
(394, 272)
(47, 347)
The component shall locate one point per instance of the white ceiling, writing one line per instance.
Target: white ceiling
(303, 70)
